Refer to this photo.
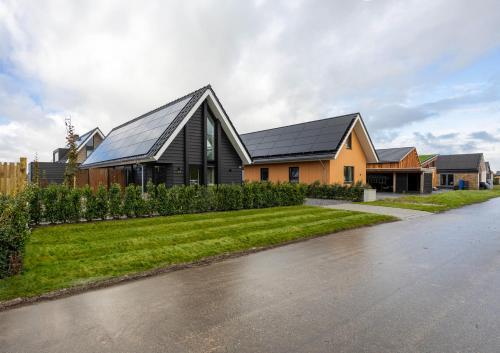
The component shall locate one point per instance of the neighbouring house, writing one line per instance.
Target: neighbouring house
(489, 173)
(190, 140)
(428, 161)
(399, 170)
(53, 172)
(496, 178)
(452, 168)
(85, 145)
(329, 151)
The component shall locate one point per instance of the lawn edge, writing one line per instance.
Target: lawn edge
(99, 284)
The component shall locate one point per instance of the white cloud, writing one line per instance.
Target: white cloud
(270, 62)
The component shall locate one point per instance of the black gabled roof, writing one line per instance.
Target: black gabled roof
(459, 162)
(141, 138)
(319, 137)
(391, 155)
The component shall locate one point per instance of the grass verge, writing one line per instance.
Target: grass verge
(70, 255)
(439, 202)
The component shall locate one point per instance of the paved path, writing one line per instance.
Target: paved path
(430, 284)
(402, 213)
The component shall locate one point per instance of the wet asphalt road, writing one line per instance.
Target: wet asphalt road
(430, 284)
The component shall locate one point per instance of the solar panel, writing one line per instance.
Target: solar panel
(137, 137)
(315, 136)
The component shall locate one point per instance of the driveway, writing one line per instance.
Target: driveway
(430, 284)
(402, 213)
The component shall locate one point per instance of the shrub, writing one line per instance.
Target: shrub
(101, 202)
(90, 210)
(141, 207)
(50, 203)
(115, 200)
(74, 205)
(336, 191)
(34, 196)
(14, 232)
(152, 199)
(164, 200)
(129, 201)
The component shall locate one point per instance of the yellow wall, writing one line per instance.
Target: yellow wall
(328, 171)
(354, 157)
(309, 172)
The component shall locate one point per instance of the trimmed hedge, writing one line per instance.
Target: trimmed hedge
(336, 191)
(60, 204)
(14, 232)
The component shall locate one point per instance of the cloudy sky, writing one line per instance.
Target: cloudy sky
(421, 73)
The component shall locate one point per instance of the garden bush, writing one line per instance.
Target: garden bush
(336, 191)
(14, 232)
(59, 203)
(115, 200)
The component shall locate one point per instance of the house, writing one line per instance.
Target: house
(452, 168)
(399, 170)
(489, 173)
(53, 172)
(85, 145)
(428, 161)
(190, 140)
(331, 151)
(496, 178)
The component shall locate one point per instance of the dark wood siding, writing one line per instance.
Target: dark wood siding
(230, 162)
(194, 128)
(190, 144)
(50, 173)
(174, 157)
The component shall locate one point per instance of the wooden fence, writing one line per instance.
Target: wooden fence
(13, 177)
(100, 176)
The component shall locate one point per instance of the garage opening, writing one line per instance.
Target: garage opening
(381, 181)
(413, 182)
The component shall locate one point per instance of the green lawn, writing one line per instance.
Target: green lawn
(439, 202)
(74, 254)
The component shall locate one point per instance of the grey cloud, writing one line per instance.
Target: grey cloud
(444, 144)
(484, 136)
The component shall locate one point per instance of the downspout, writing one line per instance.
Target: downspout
(142, 178)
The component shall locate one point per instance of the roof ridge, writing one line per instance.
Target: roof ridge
(305, 122)
(395, 148)
(162, 107)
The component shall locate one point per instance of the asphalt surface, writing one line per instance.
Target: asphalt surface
(430, 284)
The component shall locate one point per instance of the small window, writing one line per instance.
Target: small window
(348, 142)
(348, 175)
(447, 179)
(56, 156)
(264, 174)
(293, 174)
(210, 139)
(210, 175)
(194, 174)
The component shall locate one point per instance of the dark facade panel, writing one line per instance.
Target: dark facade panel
(427, 183)
(194, 128)
(190, 143)
(49, 173)
(231, 165)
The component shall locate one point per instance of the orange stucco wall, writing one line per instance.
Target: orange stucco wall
(309, 172)
(328, 171)
(354, 157)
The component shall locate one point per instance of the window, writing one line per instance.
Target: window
(293, 174)
(264, 174)
(210, 139)
(194, 174)
(447, 180)
(348, 142)
(56, 156)
(348, 175)
(89, 151)
(210, 175)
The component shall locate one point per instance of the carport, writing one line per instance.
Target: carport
(399, 170)
(400, 180)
